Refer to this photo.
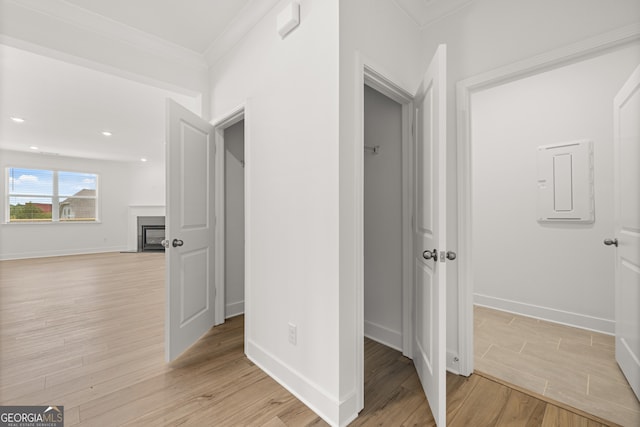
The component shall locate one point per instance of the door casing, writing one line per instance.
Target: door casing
(465, 89)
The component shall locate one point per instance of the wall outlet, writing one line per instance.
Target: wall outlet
(293, 334)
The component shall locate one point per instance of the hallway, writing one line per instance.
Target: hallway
(87, 332)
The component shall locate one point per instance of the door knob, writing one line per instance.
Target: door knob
(610, 242)
(165, 243)
(430, 255)
(177, 242)
(451, 255)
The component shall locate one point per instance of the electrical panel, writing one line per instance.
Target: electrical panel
(565, 182)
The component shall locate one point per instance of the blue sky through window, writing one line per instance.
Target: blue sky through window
(69, 183)
(39, 182)
(30, 181)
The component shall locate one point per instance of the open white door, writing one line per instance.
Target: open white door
(190, 229)
(627, 228)
(430, 236)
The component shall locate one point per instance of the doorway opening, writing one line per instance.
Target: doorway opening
(230, 184)
(526, 297)
(382, 219)
(383, 240)
(386, 281)
(234, 220)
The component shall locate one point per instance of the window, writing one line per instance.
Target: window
(37, 195)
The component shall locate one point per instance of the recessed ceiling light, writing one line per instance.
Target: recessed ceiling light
(17, 119)
(143, 159)
(33, 147)
(106, 133)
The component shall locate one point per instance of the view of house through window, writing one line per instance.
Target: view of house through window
(37, 195)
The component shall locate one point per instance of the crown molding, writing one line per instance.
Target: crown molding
(427, 12)
(244, 22)
(438, 10)
(94, 23)
(94, 65)
(411, 14)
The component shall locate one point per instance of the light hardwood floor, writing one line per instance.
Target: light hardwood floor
(571, 365)
(86, 332)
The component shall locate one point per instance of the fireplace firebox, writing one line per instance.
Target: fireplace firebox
(151, 232)
(152, 237)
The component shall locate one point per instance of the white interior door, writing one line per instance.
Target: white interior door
(430, 236)
(190, 229)
(627, 228)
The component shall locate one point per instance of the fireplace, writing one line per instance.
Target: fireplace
(151, 233)
(152, 237)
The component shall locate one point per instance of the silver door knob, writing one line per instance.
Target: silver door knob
(610, 242)
(451, 255)
(430, 255)
(177, 242)
(165, 243)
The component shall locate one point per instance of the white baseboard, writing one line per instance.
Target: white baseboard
(577, 320)
(383, 335)
(334, 412)
(393, 339)
(233, 309)
(453, 364)
(64, 252)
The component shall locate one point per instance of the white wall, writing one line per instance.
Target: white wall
(290, 89)
(558, 271)
(234, 219)
(37, 240)
(147, 183)
(383, 219)
(301, 236)
(489, 34)
(378, 32)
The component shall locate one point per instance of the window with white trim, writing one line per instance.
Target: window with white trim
(38, 195)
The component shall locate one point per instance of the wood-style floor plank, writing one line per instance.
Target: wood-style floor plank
(86, 332)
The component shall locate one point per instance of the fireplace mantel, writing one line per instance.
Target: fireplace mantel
(134, 212)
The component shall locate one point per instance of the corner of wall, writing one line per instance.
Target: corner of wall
(320, 401)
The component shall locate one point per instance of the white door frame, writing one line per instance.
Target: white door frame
(220, 124)
(369, 74)
(465, 89)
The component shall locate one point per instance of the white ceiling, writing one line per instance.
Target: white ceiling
(192, 24)
(66, 106)
(425, 12)
(198, 24)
